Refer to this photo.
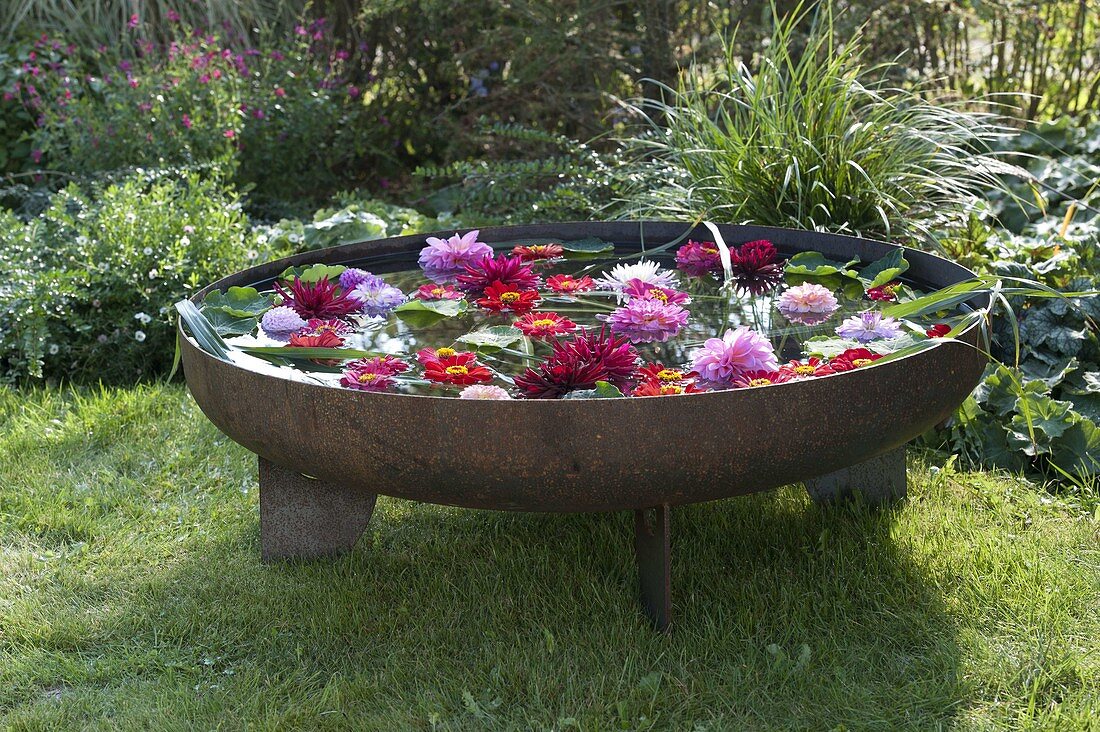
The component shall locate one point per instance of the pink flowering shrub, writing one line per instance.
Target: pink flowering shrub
(285, 119)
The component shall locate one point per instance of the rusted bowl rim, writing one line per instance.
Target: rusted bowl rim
(726, 393)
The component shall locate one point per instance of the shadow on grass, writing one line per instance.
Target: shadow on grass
(787, 616)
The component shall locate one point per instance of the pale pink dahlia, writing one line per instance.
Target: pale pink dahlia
(808, 304)
(720, 360)
(451, 255)
(483, 391)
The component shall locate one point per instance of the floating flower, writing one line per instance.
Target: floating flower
(868, 326)
(809, 368)
(648, 272)
(656, 388)
(807, 304)
(451, 255)
(646, 321)
(569, 284)
(317, 326)
(428, 355)
(500, 297)
(699, 259)
(376, 298)
(367, 375)
(760, 378)
(392, 364)
(353, 276)
(939, 330)
(506, 270)
(460, 369)
(755, 267)
(544, 326)
(279, 323)
(578, 364)
(887, 292)
(738, 351)
(320, 299)
(325, 339)
(535, 252)
(853, 358)
(483, 391)
(656, 379)
(437, 292)
(637, 289)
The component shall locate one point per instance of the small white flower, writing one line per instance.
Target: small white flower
(131, 217)
(189, 229)
(101, 338)
(54, 348)
(252, 254)
(147, 251)
(647, 271)
(142, 318)
(153, 274)
(82, 240)
(294, 238)
(185, 241)
(139, 336)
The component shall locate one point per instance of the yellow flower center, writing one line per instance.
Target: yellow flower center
(509, 297)
(804, 370)
(543, 323)
(760, 382)
(438, 291)
(861, 362)
(669, 375)
(672, 389)
(364, 378)
(709, 250)
(445, 352)
(457, 370)
(656, 294)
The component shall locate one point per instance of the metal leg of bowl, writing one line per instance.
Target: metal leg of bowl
(653, 551)
(879, 481)
(303, 518)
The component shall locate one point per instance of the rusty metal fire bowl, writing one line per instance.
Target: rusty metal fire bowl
(838, 434)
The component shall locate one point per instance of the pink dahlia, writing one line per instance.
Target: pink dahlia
(393, 364)
(646, 321)
(507, 270)
(451, 255)
(738, 351)
(698, 259)
(483, 391)
(807, 304)
(317, 326)
(637, 289)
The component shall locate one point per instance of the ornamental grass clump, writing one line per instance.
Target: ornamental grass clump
(810, 138)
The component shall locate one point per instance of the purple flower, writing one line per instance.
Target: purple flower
(868, 326)
(808, 304)
(353, 276)
(377, 298)
(699, 259)
(637, 289)
(450, 256)
(738, 351)
(644, 321)
(279, 323)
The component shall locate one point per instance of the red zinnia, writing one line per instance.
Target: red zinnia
(939, 330)
(500, 296)
(755, 267)
(461, 369)
(853, 358)
(657, 388)
(663, 374)
(544, 325)
(508, 270)
(887, 292)
(324, 339)
(437, 292)
(812, 366)
(569, 284)
(760, 378)
(535, 252)
(320, 299)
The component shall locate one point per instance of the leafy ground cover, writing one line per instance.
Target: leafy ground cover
(131, 595)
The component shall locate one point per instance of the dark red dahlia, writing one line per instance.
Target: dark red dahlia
(321, 299)
(887, 292)
(579, 363)
(939, 330)
(507, 270)
(756, 267)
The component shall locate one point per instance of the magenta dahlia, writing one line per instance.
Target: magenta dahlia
(507, 270)
(699, 259)
(320, 299)
(738, 351)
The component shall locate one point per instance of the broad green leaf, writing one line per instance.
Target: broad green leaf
(603, 390)
(201, 329)
(884, 270)
(1002, 387)
(226, 323)
(1037, 422)
(423, 313)
(590, 247)
(1078, 450)
(491, 339)
(239, 301)
(314, 273)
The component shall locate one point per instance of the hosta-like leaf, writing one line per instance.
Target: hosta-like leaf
(603, 390)
(492, 339)
(884, 270)
(423, 313)
(1078, 450)
(314, 273)
(240, 301)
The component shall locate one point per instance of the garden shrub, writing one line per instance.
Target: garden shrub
(90, 282)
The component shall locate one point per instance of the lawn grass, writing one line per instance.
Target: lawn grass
(132, 596)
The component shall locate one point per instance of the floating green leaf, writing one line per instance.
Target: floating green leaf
(814, 267)
(314, 273)
(491, 339)
(603, 390)
(423, 313)
(228, 324)
(884, 270)
(590, 247)
(239, 301)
